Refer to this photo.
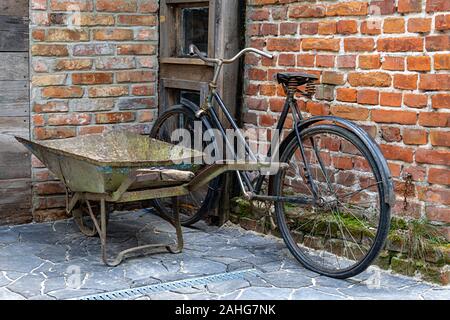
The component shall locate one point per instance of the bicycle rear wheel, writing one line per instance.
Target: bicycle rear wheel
(194, 206)
(343, 232)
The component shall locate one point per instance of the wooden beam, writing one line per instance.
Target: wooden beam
(14, 99)
(13, 34)
(13, 66)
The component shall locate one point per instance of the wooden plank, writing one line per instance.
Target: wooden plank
(13, 34)
(13, 66)
(15, 201)
(15, 126)
(14, 159)
(14, 99)
(18, 8)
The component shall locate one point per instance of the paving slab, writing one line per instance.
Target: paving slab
(55, 261)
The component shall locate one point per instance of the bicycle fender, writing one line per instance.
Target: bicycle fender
(368, 141)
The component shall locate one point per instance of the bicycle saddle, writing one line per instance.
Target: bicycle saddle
(295, 79)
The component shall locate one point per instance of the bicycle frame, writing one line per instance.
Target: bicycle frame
(250, 190)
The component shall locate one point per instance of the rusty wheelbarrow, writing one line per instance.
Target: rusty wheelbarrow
(120, 167)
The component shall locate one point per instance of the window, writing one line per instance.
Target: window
(194, 22)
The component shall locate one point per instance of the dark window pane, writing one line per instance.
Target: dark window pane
(193, 96)
(195, 29)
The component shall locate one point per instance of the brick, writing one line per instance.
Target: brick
(394, 25)
(441, 214)
(352, 8)
(38, 120)
(440, 157)
(414, 136)
(114, 117)
(91, 130)
(441, 101)
(39, 19)
(403, 44)
(369, 79)
(434, 82)
(309, 28)
(49, 50)
(382, 7)
(268, 89)
(369, 61)
(391, 116)
(434, 194)
(73, 64)
(108, 91)
(331, 77)
(307, 11)
(136, 49)
(346, 94)
(437, 43)
(418, 63)
(113, 34)
(359, 44)
(390, 99)
(439, 176)
(325, 92)
(317, 108)
(415, 100)
(288, 28)
(257, 104)
(145, 116)
(345, 163)
(405, 81)
(71, 5)
(346, 61)
(368, 97)
(66, 35)
(146, 35)
(352, 113)
(279, 13)
(135, 103)
(135, 76)
(38, 4)
(62, 92)
(91, 105)
(408, 6)
(267, 120)
(43, 133)
(117, 5)
(320, 44)
(257, 74)
(260, 14)
(437, 5)
(391, 134)
(324, 61)
(286, 60)
(371, 27)
(51, 106)
(91, 20)
(48, 80)
(143, 90)
(38, 34)
(442, 61)
(393, 63)
(92, 78)
(347, 26)
(269, 29)
(93, 49)
(305, 60)
(440, 138)
(327, 27)
(434, 119)
(419, 25)
(137, 20)
(442, 22)
(397, 153)
(74, 119)
(283, 44)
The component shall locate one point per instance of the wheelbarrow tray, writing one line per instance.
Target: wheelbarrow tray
(100, 163)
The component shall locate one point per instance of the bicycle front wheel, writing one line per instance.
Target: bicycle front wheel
(343, 230)
(194, 206)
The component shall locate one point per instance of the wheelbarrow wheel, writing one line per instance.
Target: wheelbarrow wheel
(83, 219)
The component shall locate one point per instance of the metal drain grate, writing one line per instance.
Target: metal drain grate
(161, 287)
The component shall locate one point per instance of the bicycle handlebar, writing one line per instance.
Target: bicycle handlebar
(194, 51)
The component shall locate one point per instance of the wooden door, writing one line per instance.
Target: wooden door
(15, 164)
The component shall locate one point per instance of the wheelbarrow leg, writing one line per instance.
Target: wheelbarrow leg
(176, 222)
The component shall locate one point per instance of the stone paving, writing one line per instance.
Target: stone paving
(55, 261)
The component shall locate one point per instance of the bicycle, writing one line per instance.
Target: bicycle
(332, 204)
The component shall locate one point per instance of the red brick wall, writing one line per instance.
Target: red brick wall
(383, 63)
(94, 68)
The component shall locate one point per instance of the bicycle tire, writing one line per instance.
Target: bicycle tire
(384, 219)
